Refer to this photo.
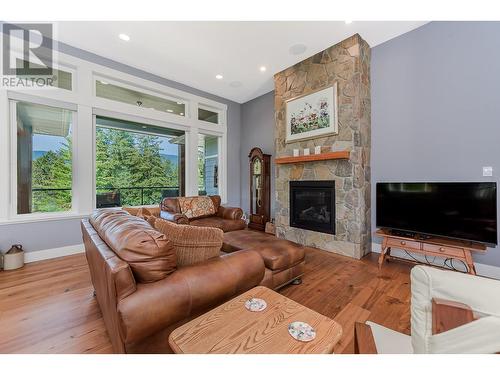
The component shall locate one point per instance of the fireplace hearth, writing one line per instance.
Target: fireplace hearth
(312, 205)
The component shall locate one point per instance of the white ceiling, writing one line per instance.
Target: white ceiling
(193, 53)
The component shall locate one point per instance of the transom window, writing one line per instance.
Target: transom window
(60, 78)
(108, 90)
(208, 116)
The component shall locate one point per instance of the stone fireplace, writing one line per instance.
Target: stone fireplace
(312, 205)
(349, 232)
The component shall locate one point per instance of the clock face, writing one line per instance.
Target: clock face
(257, 166)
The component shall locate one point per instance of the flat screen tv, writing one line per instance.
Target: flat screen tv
(459, 210)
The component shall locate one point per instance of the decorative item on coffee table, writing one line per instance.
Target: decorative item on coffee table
(260, 189)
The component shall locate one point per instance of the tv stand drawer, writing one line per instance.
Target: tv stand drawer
(444, 250)
(403, 244)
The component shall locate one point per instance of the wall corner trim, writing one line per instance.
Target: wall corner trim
(35, 256)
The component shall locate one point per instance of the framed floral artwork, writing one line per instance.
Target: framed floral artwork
(312, 115)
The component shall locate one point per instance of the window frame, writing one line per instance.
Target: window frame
(222, 163)
(83, 100)
(13, 214)
(120, 116)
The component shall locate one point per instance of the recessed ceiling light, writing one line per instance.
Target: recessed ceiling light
(179, 103)
(297, 49)
(219, 76)
(262, 68)
(144, 127)
(124, 37)
(104, 82)
(182, 113)
(347, 22)
(169, 111)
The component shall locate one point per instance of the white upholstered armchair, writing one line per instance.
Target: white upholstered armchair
(451, 312)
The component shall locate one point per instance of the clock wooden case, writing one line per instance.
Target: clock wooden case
(260, 189)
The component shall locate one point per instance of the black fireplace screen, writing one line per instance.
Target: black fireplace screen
(312, 205)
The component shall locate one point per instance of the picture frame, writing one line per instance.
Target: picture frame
(312, 115)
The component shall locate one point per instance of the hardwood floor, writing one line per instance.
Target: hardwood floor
(48, 307)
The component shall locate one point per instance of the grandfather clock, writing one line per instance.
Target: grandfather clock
(260, 189)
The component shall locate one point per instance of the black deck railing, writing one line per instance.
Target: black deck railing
(122, 196)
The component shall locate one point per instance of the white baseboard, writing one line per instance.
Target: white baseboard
(35, 256)
(481, 269)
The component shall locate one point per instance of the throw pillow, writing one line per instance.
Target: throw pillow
(192, 244)
(194, 207)
(149, 253)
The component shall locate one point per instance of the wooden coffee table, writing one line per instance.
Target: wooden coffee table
(231, 328)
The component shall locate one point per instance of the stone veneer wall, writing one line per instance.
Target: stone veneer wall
(347, 63)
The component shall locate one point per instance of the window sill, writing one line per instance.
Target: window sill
(42, 218)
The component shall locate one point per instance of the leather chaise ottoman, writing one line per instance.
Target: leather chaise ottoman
(284, 259)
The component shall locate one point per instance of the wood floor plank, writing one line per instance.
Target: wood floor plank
(349, 315)
(48, 307)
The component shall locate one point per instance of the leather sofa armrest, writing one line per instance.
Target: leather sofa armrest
(122, 278)
(174, 218)
(230, 213)
(191, 289)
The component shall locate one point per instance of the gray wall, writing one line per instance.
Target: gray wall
(54, 234)
(257, 130)
(435, 111)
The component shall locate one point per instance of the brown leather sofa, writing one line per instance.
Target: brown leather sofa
(226, 218)
(142, 294)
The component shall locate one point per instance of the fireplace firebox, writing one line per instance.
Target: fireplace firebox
(312, 205)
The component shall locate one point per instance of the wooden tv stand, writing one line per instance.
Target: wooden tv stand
(429, 246)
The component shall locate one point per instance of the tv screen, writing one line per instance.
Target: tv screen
(459, 210)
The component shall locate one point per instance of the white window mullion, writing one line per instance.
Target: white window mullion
(223, 168)
(84, 172)
(4, 155)
(191, 156)
(12, 210)
(83, 163)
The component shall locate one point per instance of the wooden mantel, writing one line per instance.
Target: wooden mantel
(315, 157)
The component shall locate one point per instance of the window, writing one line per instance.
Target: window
(44, 158)
(107, 90)
(66, 149)
(209, 116)
(208, 165)
(60, 78)
(137, 164)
